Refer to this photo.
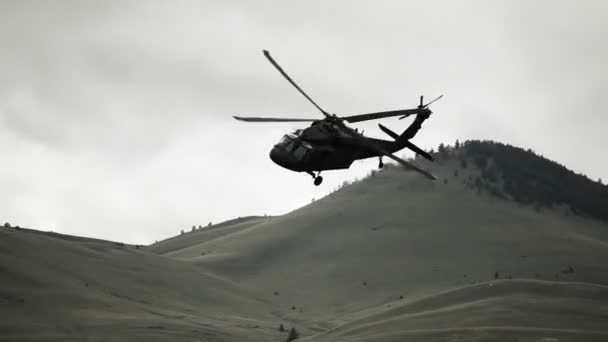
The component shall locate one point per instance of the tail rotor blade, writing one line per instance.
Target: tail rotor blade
(428, 104)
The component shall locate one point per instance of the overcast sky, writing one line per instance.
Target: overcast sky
(116, 117)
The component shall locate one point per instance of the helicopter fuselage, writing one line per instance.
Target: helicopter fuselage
(322, 146)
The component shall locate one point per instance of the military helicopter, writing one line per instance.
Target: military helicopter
(328, 144)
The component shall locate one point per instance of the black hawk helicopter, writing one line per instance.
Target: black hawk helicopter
(328, 144)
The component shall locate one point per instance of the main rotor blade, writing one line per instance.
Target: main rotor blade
(380, 115)
(366, 142)
(293, 83)
(410, 166)
(254, 119)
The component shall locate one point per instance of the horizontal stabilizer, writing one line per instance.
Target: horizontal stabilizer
(389, 132)
(418, 150)
(405, 143)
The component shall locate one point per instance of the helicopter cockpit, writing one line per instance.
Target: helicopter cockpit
(295, 147)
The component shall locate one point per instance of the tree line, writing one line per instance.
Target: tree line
(530, 178)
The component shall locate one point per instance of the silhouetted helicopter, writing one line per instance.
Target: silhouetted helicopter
(328, 144)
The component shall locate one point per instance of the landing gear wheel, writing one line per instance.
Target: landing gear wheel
(318, 180)
(380, 163)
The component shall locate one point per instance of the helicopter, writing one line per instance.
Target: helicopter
(329, 144)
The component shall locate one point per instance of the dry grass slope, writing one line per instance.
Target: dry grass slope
(505, 310)
(391, 258)
(357, 251)
(59, 290)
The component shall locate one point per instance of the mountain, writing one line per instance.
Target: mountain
(490, 251)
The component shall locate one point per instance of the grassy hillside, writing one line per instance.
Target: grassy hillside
(55, 289)
(206, 234)
(396, 235)
(393, 257)
(505, 310)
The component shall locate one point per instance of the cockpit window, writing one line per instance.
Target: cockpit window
(294, 146)
(288, 145)
(300, 152)
(286, 142)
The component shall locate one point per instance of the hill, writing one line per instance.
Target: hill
(57, 289)
(206, 234)
(487, 252)
(529, 178)
(394, 235)
(511, 310)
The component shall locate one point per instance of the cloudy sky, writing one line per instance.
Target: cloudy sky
(116, 117)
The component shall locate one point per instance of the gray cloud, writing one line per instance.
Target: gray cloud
(116, 117)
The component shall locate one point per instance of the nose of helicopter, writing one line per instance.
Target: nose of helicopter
(276, 156)
(280, 156)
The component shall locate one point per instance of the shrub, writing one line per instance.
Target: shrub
(293, 335)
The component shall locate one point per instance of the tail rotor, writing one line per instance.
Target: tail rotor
(423, 106)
